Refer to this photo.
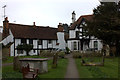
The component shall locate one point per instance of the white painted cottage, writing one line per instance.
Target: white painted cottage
(78, 41)
(42, 38)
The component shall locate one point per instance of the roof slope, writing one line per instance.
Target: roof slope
(86, 17)
(36, 32)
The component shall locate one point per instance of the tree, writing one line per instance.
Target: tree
(106, 25)
(26, 47)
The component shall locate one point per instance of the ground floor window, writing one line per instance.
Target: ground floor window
(75, 46)
(96, 45)
(19, 51)
(34, 51)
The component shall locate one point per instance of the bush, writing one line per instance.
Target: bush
(46, 53)
(76, 55)
(87, 54)
(67, 50)
(61, 54)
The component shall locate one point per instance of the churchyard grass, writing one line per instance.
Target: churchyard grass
(59, 72)
(109, 70)
(10, 59)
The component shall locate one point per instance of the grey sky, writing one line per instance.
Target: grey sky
(45, 12)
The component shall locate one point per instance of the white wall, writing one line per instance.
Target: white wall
(8, 39)
(44, 42)
(54, 44)
(72, 34)
(17, 42)
(61, 40)
(71, 44)
(35, 43)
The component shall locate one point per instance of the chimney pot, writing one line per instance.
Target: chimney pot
(34, 24)
(6, 19)
(60, 23)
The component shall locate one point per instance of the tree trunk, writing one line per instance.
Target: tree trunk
(117, 48)
(27, 53)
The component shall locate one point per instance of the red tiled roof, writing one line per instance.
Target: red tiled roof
(86, 17)
(31, 31)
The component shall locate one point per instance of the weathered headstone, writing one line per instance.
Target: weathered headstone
(16, 63)
(55, 57)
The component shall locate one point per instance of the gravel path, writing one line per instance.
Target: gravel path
(72, 71)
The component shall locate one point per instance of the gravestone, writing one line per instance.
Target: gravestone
(55, 57)
(16, 63)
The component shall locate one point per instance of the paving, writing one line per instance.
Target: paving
(72, 71)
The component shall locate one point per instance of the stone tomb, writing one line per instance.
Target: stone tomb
(36, 63)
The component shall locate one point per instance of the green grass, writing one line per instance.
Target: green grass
(59, 72)
(109, 70)
(10, 59)
(8, 72)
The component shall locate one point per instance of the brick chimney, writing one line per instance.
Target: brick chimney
(5, 28)
(60, 27)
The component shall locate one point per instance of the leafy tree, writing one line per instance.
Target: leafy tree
(105, 25)
(26, 47)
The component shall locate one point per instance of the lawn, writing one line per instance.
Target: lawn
(109, 70)
(10, 59)
(58, 72)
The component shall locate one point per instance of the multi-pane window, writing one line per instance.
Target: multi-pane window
(19, 51)
(30, 41)
(24, 41)
(96, 45)
(77, 34)
(49, 41)
(75, 46)
(40, 42)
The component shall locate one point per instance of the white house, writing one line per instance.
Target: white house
(42, 38)
(78, 41)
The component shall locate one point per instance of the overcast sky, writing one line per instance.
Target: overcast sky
(45, 12)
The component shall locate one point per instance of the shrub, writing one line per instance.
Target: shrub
(61, 54)
(86, 54)
(76, 55)
(67, 50)
(26, 47)
(46, 53)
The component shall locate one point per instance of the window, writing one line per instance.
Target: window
(96, 45)
(30, 41)
(77, 34)
(19, 51)
(75, 46)
(49, 41)
(24, 41)
(40, 42)
(34, 51)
